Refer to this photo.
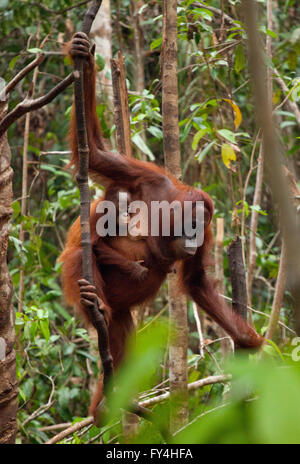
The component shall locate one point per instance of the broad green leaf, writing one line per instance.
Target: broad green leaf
(156, 132)
(156, 43)
(100, 61)
(44, 325)
(22, 395)
(200, 156)
(205, 14)
(258, 209)
(272, 34)
(13, 62)
(197, 137)
(139, 142)
(240, 60)
(227, 134)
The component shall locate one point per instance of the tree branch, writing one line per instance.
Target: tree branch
(121, 108)
(97, 316)
(12, 84)
(55, 12)
(65, 433)
(273, 155)
(218, 12)
(29, 104)
(211, 380)
(292, 106)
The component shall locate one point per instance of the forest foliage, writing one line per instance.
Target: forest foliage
(218, 135)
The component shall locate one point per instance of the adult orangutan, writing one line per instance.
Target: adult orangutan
(128, 271)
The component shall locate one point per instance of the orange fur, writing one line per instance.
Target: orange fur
(113, 257)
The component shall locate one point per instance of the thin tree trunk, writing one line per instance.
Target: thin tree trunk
(279, 293)
(139, 74)
(25, 186)
(138, 47)
(118, 26)
(252, 256)
(273, 156)
(225, 343)
(282, 272)
(130, 421)
(260, 167)
(25, 176)
(196, 311)
(238, 277)
(8, 381)
(121, 108)
(101, 32)
(177, 304)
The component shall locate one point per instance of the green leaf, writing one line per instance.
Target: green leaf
(22, 395)
(221, 63)
(156, 43)
(195, 106)
(287, 124)
(273, 344)
(100, 61)
(197, 137)
(197, 37)
(139, 142)
(205, 14)
(156, 132)
(44, 325)
(272, 34)
(200, 157)
(33, 330)
(34, 50)
(240, 60)
(258, 209)
(13, 62)
(227, 134)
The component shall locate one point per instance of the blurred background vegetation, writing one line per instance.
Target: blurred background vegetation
(55, 362)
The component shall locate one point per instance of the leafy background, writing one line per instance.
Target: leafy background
(55, 362)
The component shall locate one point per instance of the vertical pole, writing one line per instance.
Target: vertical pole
(177, 304)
